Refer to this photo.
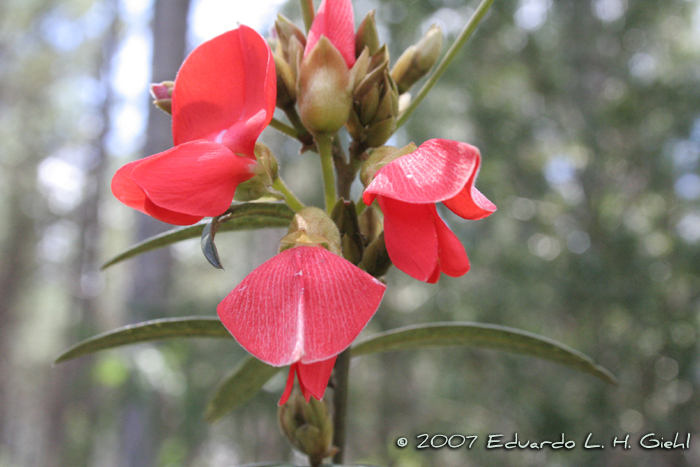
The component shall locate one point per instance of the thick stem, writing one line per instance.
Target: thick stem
(325, 150)
(292, 200)
(340, 403)
(466, 33)
(307, 11)
(303, 134)
(284, 128)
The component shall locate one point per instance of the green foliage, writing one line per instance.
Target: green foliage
(251, 374)
(156, 329)
(239, 217)
(240, 386)
(486, 336)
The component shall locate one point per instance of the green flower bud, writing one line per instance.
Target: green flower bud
(378, 133)
(265, 174)
(324, 93)
(369, 104)
(380, 157)
(295, 52)
(355, 127)
(267, 163)
(376, 259)
(367, 35)
(286, 29)
(286, 83)
(389, 104)
(360, 68)
(345, 217)
(312, 226)
(417, 60)
(370, 224)
(308, 427)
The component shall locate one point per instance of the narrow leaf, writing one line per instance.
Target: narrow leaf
(242, 217)
(156, 329)
(239, 387)
(484, 336)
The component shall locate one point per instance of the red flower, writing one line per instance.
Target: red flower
(334, 19)
(223, 98)
(313, 379)
(303, 306)
(417, 240)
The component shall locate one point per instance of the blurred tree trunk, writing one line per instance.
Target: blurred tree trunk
(21, 98)
(151, 273)
(72, 392)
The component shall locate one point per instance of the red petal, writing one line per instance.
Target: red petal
(438, 170)
(128, 192)
(453, 258)
(305, 304)
(197, 178)
(471, 204)
(313, 377)
(290, 384)
(335, 20)
(410, 237)
(226, 89)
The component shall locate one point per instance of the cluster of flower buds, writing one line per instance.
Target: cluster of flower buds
(375, 98)
(308, 303)
(308, 427)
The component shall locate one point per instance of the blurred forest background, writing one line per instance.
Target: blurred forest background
(587, 114)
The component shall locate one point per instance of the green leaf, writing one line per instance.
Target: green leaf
(242, 217)
(156, 329)
(487, 336)
(239, 387)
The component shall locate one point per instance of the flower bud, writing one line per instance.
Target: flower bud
(265, 174)
(324, 93)
(370, 224)
(286, 83)
(360, 68)
(308, 427)
(380, 157)
(295, 52)
(355, 126)
(162, 94)
(378, 133)
(376, 259)
(367, 35)
(286, 29)
(417, 60)
(312, 226)
(345, 217)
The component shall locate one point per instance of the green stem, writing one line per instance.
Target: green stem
(302, 133)
(325, 150)
(292, 200)
(466, 33)
(284, 128)
(307, 11)
(340, 403)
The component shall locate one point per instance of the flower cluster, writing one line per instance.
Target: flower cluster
(308, 303)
